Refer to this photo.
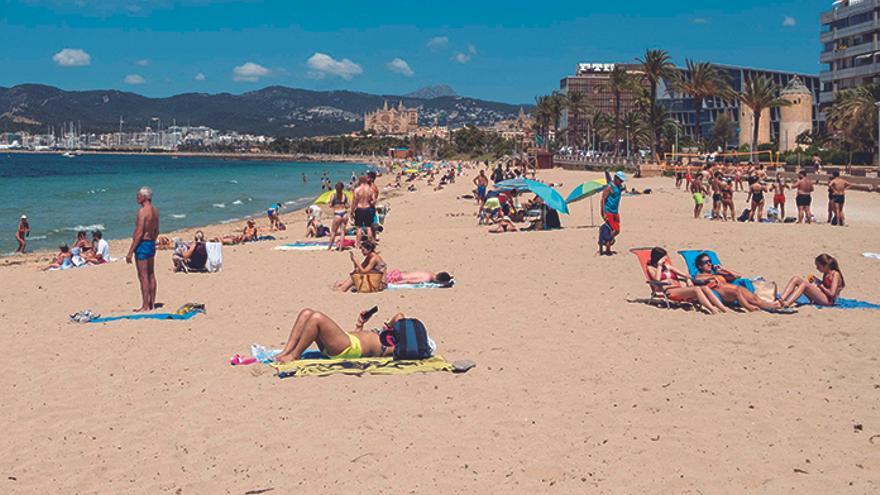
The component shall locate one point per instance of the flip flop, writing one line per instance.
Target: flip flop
(237, 360)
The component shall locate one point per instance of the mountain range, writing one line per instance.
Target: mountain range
(273, 111)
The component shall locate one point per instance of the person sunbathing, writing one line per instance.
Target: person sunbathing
(62, 259)
(720, 280)
(503, 225)
(195, 257)
(820, 291)
(315, 327)
(412, 278)
(678, 286)
(248, 234)
(372, 263)
(164, 242)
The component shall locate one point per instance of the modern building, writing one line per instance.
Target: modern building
(851, 48)
(593, 80)
(400, 120)
(683, 107)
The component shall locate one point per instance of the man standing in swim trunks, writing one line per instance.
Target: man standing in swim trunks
(804, 197)
(697, 189)
(362, 209)
(716, 194)
(779, 188)
(482, 182)
(837, 191)
(143, 247)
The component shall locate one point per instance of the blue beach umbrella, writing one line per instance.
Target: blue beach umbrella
(510, 184)
(547, 194)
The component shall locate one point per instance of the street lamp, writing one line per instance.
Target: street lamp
(628, 149)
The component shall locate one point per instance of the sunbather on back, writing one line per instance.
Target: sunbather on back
(720, 280)
(678, 285)
(314, 327)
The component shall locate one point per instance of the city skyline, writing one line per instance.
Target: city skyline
(510, 52)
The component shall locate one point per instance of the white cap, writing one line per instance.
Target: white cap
(24, 217)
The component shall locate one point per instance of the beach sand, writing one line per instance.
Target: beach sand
(575, 390)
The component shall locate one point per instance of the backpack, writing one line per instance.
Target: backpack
(411, 340)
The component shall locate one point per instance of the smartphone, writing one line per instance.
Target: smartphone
(370, 312)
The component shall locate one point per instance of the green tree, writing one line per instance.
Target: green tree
(702, 80)
(619, 81)
(759, 94)
(852, 118)
(656, 67)
(723, 131)
(576, 105)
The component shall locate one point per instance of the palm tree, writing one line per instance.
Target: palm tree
(853, 116)
(542, 114)
(656, 67)
(759, 94)
(702, 80)
(575, 104)
(723, 131)
(619, 81)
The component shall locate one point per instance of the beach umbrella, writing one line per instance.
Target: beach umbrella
(547, 194)
(586, 190)
(510, 184)
(324, 198)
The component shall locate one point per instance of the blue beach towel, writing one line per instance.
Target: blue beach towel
(840, 304)
(148, 316)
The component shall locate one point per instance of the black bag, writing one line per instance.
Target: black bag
(411, 340)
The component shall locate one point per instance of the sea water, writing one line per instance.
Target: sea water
(63, 195)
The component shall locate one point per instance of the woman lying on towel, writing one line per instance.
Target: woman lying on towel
(315, 327)
(720, 279)
(820, 291)
(372, 263)
(398, 277)
(678, 285)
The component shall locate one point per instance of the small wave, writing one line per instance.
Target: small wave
(97, 191)
(178, 215)
(237, 202)
(230, 220)
(96, 226)
(219, 205)
(233, 181)
(37, 237)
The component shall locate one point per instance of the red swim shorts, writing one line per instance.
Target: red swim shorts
(779, 198)
(613, 221)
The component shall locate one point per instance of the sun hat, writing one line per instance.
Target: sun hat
(620, 175)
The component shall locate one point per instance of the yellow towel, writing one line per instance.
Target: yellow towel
(376, 366)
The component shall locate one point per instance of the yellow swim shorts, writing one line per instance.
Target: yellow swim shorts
(353, 351)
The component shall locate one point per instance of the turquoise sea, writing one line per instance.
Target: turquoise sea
(62, 195)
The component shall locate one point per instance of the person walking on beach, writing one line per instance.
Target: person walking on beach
(611, 211)
(837, 194)
(362, 210)
(143, 247)
(24, 230)
(804, 197)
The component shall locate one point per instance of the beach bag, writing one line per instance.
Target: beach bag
(411, 340)
(368, 282)
(765, 290)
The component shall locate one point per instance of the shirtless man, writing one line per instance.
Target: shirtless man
(779, 188)
(482, 182)
(371, 180)
(837, 194)
(362, 209)
(698, 191)
(24, 230)
(143, 247)
(804, 198)
(716, 194)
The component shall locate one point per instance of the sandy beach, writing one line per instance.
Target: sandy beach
(576, 390)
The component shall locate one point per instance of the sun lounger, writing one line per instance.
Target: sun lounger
(658, 289)
(690, 257)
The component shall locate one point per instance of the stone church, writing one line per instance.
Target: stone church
(400, 120)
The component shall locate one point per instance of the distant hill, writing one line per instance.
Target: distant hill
(431, 92)
(272, 111)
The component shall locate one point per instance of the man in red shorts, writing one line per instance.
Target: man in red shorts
(611, 213)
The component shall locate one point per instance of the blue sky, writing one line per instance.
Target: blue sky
(505, 51)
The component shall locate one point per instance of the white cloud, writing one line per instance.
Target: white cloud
(72, 57)
(249, 72)
(400, 66)
(465, 57)
(134, 79)
(789, 21)
(143, 62)
(438, 43)
(199, 77)
(323, 65)
(699, 20)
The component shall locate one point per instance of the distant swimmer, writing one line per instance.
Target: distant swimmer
(143, 247)
(305, 179)
(21, 235)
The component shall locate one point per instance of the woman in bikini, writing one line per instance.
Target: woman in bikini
(339, 203)
(315, 327)
(820, 291)
(372, 263)
(720, 279)
(678, 285)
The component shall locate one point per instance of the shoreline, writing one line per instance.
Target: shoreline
(372, 160)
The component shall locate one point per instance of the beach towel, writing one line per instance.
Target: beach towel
(215, 256)
(841, 303)
(875, 256)
(311, 245)
(149, 316)
(422, 285)
(374, 366)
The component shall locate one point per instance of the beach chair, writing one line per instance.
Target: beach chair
(658, 289)
(690, 258)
